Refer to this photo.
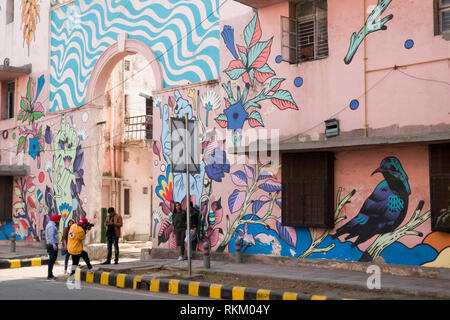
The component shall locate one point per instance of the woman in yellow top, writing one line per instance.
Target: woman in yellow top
(77, 234)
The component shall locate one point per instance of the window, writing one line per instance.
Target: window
(442, 16)
(308, 189)
(126, 201)
(304, 34)
(127, 65)
(440, 186)
(9, 11)
(6, 193)
(11, 89)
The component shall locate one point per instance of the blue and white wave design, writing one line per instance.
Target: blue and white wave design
(183, 34)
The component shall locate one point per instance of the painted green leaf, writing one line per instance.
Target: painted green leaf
(258, 52)
(251, 74)
(235, 73)
(222, 120)
(283, 100)
(255, 120)
(37, 115)
(252, 32)
(29, 90)
(23, 106)
(40, 132)
(20, 145)
(275, 84)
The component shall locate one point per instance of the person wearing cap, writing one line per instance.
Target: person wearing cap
(77, 234)
(52, 238)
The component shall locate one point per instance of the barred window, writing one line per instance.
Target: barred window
(304, 34)
(6, 194)
(441, 16)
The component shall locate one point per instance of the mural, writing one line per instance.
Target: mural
(31, 110)
(30, 17)
(184, 36)
(372, 25)
(250, 65)
(66, 173)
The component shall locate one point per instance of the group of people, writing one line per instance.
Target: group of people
(72, 242)
(179, 222)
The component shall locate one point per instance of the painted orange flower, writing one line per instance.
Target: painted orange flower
(30, 17)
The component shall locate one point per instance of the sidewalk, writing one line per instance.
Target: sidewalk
(290, 275)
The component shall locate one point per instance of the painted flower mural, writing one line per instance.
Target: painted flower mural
(250, 65)
(30, 17)
(31, 110)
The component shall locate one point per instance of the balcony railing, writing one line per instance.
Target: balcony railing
(138, 128)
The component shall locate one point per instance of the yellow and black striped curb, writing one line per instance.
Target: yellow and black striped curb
(19, 263)
(191, 288)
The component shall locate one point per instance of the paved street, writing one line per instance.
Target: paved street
(30, 283)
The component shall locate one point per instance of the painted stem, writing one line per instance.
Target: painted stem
(385, 240)
(317, 241)
(239, 220)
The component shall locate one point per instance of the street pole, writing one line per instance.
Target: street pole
(188, 217)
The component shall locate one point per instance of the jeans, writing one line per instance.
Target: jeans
(112, 239)
(53, 254)
(66, 261)
(76, 260)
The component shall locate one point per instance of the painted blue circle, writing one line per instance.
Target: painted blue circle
(354, 104)
(409, 44)
(298, 81)
(278, 59)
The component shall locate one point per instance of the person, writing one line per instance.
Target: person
(179, 225)
(195, 215)
(113, 224)
(77, 233)
(52, 239)
(64, 243)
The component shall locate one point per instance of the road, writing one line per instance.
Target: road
(30, 283)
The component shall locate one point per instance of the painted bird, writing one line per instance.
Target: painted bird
(384, 209)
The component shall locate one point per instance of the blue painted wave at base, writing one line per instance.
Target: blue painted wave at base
(396, 253)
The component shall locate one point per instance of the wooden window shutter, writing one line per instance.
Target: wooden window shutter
(6, 185)
(440, 186)
(308, 189)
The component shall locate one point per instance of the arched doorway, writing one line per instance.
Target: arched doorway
(117, 86)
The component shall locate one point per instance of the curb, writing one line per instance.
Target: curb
(19, 263)
(191, 288)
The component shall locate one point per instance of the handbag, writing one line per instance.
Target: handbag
(63, 252)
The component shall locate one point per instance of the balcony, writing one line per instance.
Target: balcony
(138, 129)
(258, 4)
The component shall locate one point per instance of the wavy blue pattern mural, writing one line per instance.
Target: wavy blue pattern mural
(184, 35)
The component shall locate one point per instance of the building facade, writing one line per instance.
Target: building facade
(323, 125)
(326, 135)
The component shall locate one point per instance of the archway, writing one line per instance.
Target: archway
(126, 171)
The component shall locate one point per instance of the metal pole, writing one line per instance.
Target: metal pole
(188, 217)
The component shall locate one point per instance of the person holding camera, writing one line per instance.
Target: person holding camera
(113, 224)
(77, 234)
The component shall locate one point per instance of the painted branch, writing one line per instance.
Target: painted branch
(385, 240)
(317, 241)
(370, 26)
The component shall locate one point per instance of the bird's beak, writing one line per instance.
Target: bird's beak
(378, 170)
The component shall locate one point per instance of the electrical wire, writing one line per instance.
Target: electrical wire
(73, 109)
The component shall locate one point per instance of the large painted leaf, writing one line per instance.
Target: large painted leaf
(259, 54)
(235, 69)
(252, 32)
(249, 171)
(288, 234)
(239, 178)
(275, 84)
(270, 186)
(255, 120)
(265, 175)
(258, 204)
(236, 200)
(283, 100)
(222, 120)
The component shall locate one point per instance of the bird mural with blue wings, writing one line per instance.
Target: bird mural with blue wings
(385, 209)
